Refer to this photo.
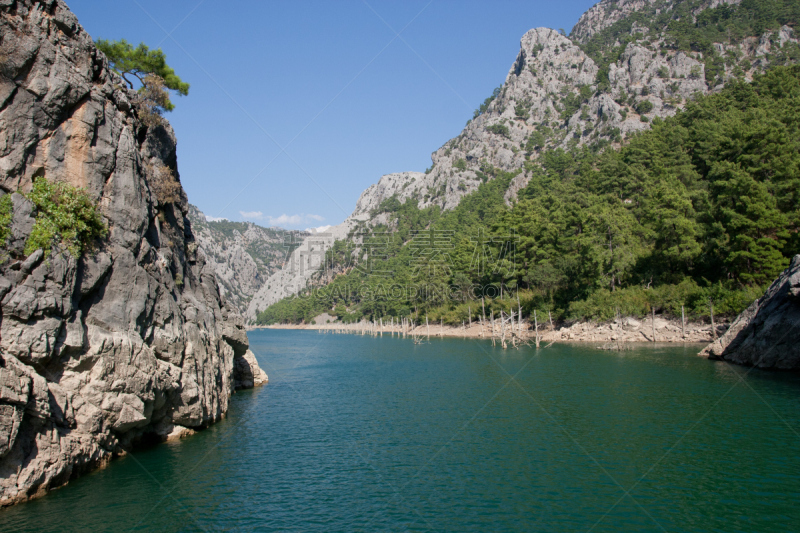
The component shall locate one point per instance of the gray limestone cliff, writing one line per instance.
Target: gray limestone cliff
(132, 340)
(305, 262)
(243, 254)
(766, 334)
(552, 97)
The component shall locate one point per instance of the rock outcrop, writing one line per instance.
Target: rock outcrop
(766, 334)
(629, 329)
(307, 258)
(132, 340)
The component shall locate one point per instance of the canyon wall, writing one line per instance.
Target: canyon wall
(132, 340)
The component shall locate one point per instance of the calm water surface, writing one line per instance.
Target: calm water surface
(363, 434)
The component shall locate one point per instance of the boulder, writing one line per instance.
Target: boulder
(766, 334)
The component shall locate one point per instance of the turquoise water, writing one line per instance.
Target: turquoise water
(378, 434)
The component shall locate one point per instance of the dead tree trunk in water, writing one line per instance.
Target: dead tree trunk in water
(653, 321)
(713, 326)
(502, 331)
(511, 328)
(483, 315)
(683, 324)
(492, 333)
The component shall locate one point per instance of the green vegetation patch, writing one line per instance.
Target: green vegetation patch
(499, 129)
(66, 216)
(5, 219)
(674, 21)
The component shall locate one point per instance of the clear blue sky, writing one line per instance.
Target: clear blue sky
(296, 107)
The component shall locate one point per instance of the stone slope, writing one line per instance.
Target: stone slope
(604, 14)
(243, 254)
(133, 340)
(766, 334)
(552, 96)
(305, 261)
(307, 257)
(608, 12)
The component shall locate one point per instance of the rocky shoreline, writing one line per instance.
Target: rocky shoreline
(624, 330)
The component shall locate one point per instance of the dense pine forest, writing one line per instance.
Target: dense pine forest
(702, 208)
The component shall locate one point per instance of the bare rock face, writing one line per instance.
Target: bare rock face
(766, 334)
(402, 185)
(243, 254)
(552, 97)
(607, 12)
(305, 261)
(132, 339)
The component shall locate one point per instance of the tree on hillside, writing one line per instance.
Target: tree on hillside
(151, 69)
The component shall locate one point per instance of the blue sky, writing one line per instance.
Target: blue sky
(296, 107)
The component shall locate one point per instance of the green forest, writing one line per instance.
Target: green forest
(703, 208)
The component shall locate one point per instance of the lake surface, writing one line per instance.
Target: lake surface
(379, 434)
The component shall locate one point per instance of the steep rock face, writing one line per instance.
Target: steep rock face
(542, 97)
(308, 253)
(603, 14)
(402, 185)
(552, 97)
(766, 334)
(608, 12)
(132, 339)
(306, 260)
(242, 254)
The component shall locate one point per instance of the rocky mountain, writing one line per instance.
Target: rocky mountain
(766, 334)
(624, 64)
(606, 81)
(132, 340)
(305, 262)
(308, 255)
(243, 254)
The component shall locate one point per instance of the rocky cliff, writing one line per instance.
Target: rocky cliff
(766, 334)
(131, 340)
(305, 261)
(622, 66)
(591, 88)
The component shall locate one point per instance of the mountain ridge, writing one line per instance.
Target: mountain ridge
(243, 254)
(568, 92)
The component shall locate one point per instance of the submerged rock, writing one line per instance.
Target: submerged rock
(766, 334)
(131, 340)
